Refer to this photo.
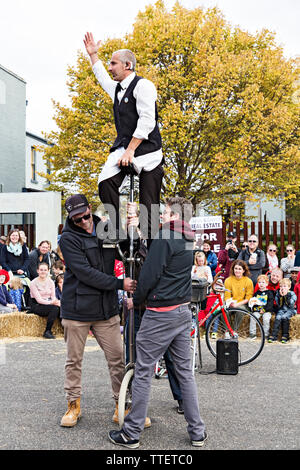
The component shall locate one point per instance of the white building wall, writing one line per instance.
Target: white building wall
(47, 209)
(264, 210)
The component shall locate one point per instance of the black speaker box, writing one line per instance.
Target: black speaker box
(227, 356)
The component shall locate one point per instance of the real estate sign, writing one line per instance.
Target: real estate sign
(208, 228)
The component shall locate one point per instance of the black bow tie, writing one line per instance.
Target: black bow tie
(119, 88)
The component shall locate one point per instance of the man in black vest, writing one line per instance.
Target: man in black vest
(138, 138)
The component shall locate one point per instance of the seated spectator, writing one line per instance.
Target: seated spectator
(297, 258)
(297, 292)
(239, 285)
(200, 270)
(57, 255)
(59, 286)
(271, 259)
(254, 257)
(275, 277)
(6, 302)
(2, 243)
(24, 238)
(294, 274)
(38, 255)
(14, 255)
(287, 263)
(17, 291)
(262, 304)
(57, 268)
(212, 260)
(227, 255)
(285, 300)
(43, 300)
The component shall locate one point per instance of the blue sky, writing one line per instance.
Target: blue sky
(38, 42)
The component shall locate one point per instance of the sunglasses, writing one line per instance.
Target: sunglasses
(244, 246)
(271, 249)
(79, 219)
(252, 241)
(289, 250)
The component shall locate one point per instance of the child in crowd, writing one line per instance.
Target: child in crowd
(285, 300)
(297, 292)
(200, 269)
(59, 286)
(262, 305)
(16, 291)
(43, 300)
(57, 268)
(6, 302)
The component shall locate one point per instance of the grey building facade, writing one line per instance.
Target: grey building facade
(12, 131)
(24, 203)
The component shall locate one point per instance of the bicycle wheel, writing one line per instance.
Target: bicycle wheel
(194, 335)
(249, 348)
(125, 395)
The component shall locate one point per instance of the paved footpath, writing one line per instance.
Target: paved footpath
(256, 409)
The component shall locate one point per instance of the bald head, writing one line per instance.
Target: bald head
(127, 57)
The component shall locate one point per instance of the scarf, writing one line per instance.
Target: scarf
(180, 226)
(273, 261)
(15, 249)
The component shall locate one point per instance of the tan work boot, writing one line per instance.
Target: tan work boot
(116, 414)
(116, 417)
(72, 415)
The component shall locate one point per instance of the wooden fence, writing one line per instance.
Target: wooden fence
(280, 233)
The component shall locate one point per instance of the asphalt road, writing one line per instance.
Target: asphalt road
(256, 409)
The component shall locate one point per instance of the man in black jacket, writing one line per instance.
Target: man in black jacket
(89, 300)
(164, 285)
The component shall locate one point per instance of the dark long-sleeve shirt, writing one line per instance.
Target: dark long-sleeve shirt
(5, 297)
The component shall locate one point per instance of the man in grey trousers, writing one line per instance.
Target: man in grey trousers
(165, 285)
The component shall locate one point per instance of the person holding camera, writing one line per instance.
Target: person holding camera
(227, 255)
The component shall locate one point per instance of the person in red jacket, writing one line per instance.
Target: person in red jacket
(297, 292)
(275, 277)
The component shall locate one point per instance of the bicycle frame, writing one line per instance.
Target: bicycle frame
(219, 304)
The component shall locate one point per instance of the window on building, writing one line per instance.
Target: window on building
(48, 169)
(33, 164)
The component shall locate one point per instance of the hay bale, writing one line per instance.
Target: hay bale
(294, 327)
(25, 324)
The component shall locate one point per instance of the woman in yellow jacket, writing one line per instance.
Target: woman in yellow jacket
(239, 285)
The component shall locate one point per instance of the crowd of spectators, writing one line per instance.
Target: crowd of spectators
(258, 281)
(33, 281)
(30, 281)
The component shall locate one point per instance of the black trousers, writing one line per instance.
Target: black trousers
(284, 323)
(149, 197)
(50, 311)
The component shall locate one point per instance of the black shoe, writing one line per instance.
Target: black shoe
(200, 442)
(180, 409)
(48, 335)
(119, 438)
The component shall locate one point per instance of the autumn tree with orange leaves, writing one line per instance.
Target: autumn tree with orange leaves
(226, 98)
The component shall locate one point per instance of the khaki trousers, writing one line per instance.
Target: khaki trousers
(108, 336)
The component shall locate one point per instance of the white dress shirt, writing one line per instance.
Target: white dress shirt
(146, 96)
